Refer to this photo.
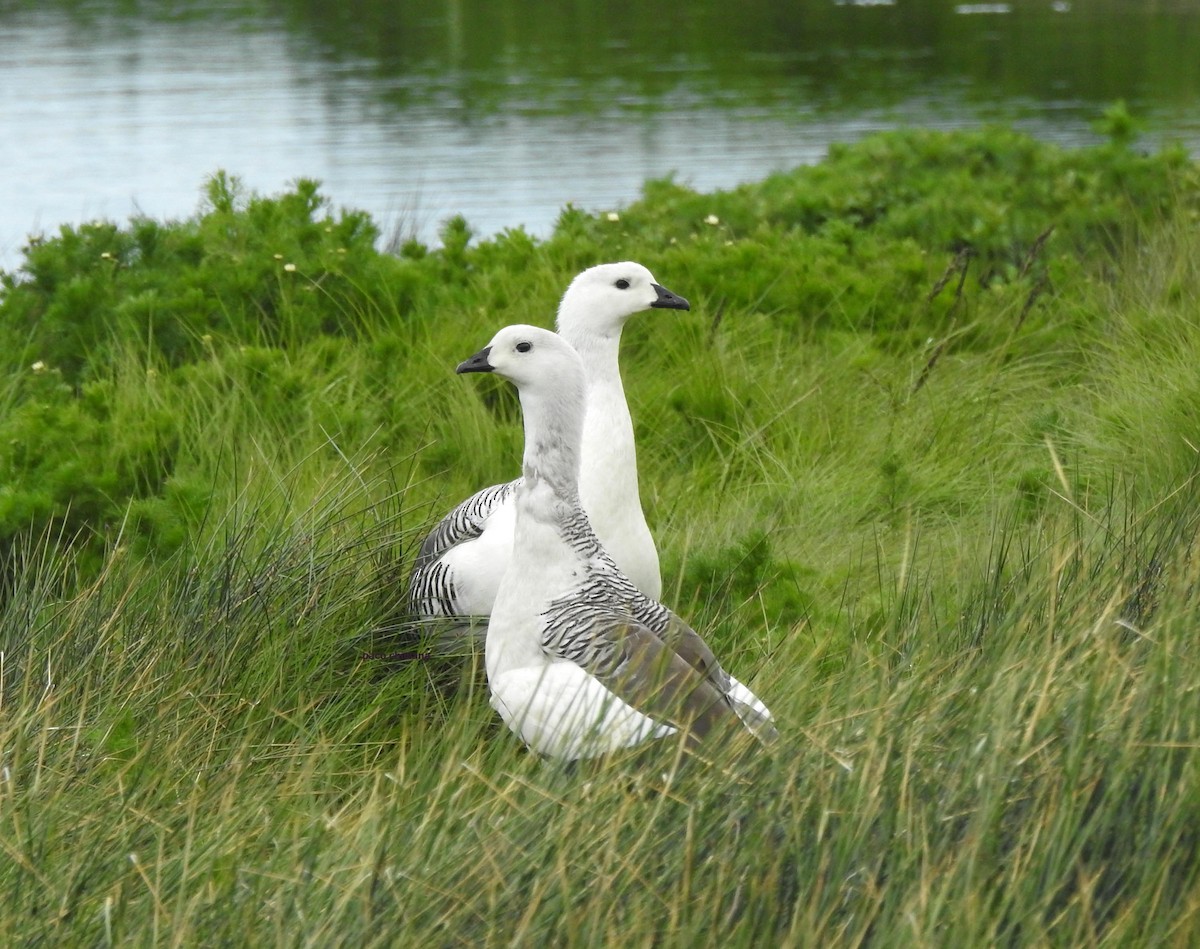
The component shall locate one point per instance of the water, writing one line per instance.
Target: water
(418, 112)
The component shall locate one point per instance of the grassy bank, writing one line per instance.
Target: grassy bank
(921, 462)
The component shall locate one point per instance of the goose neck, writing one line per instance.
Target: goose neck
(553, 434)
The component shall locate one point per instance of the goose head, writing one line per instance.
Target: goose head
(533, 359)
(602, 298)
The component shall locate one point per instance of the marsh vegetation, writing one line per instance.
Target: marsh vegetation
(921, 462)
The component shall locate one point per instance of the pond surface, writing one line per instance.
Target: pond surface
(415, 112)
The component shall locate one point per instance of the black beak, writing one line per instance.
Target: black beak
(668, 300)
(478, 362)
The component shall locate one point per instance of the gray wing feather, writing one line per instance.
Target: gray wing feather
(691, 647)
(653, 678)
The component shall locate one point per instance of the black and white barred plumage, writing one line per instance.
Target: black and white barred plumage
(431, 589)
(606, 600)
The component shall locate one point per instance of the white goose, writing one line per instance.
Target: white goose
(460, 563)
(579, 661)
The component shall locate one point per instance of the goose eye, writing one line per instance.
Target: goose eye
(622, 284)
(524, 347)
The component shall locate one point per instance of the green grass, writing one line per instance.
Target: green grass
(950, 537)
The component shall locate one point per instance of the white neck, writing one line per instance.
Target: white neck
(544, 564)
(608, 477)
(553, 433)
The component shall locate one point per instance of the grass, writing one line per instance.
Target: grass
(954, 548)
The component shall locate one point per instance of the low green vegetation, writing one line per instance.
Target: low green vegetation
(922, 464)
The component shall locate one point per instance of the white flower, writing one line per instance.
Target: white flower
(612, 216)
(290, 268)
(38, 366)
(713, 220)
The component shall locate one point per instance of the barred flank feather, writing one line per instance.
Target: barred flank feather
(431, 589)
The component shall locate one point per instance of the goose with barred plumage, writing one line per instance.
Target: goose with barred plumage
(579, 661)
(460, 563)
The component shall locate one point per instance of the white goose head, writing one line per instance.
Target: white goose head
(601, 299)
(548, 374)
(531, 358)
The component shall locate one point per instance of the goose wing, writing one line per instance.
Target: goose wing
(428, 583)
(691, 647)
(632, 661)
